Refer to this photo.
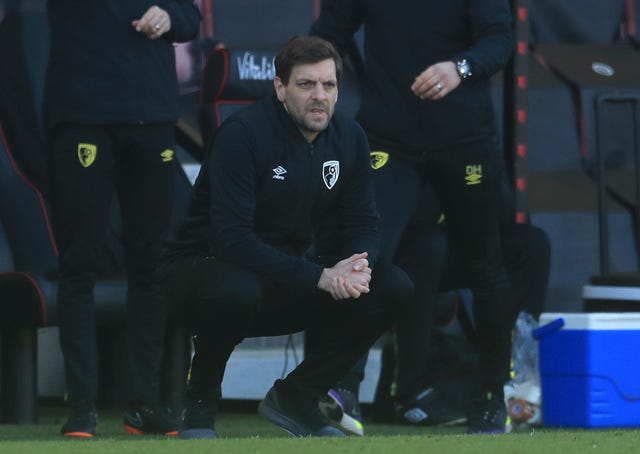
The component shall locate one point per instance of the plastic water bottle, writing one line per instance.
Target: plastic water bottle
(522, 393)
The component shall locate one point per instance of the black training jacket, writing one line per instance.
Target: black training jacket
(265, 194)
(102, 71)
(403, 38)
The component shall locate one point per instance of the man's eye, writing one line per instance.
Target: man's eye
(305, 84)
(329, 86)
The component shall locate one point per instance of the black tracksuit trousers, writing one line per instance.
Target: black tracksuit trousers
(225, 303)
(90, 164)
(467, 182)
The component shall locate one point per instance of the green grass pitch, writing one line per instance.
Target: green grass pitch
(246, 432)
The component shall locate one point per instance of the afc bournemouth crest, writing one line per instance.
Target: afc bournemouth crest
(87, 153)
(330, 173)
(378, 159)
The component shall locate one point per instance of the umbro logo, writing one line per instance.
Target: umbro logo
(415, 415)
(167, 155)
(279, 172)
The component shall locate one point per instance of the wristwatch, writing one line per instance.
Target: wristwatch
(464, 69)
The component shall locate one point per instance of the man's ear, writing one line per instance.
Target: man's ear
(279, 86)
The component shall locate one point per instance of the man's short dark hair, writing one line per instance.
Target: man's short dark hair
(300, 50)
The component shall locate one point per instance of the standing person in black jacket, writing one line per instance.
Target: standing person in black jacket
(281, 176)
(111, 106)
(427, 111)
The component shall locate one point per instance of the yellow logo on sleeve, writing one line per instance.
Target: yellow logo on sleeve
(87, 153)
(378, 159)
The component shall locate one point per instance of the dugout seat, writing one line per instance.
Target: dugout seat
(593, 53)
(618, 177)
(573, 21)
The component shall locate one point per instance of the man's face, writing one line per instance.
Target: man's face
(310, 96)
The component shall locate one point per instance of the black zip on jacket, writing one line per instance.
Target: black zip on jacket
(402, 39)
(101, 71)
(265, 194)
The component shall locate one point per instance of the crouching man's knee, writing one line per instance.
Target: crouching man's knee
(392, 287)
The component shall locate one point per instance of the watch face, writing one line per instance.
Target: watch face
(464, 69)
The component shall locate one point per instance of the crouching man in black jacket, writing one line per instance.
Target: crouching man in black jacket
(282, 176)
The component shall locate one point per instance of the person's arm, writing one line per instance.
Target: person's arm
(173, 20)
(233, 169)
(492, 37)
(185, 19)
(337, 22)
(492, 44)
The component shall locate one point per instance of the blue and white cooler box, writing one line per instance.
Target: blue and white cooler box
(589, 369)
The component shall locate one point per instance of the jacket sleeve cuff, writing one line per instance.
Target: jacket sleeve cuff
(185, 21)
(310, 276)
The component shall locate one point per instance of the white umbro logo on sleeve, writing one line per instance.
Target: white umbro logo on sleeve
(279, 172)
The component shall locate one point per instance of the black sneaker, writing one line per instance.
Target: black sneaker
(150, 420)
(296, 413)
(81, 423)
(343, 410)
(488, 415)
(427, 408)
(199, 418)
